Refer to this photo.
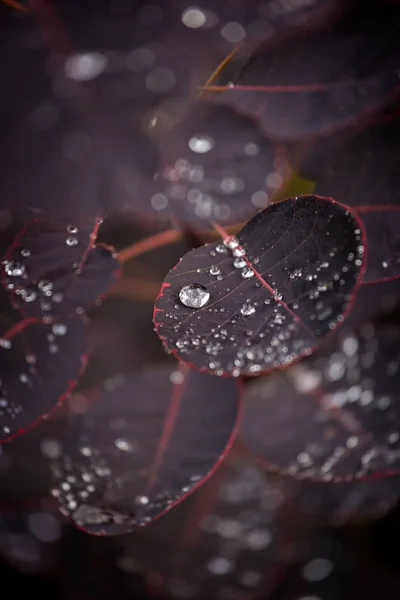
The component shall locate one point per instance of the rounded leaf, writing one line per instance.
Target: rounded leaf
(212, 159)
(335, 418)
(40, 365)
(363, 172)
(55, 269)
(267, 297)
(312, 84)
(142, 447)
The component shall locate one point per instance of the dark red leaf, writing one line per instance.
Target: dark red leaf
(364, 172)
(336, 417)
(54, 269)
(39, 367)
(218, 167)
(143, 447)
(228, 540)
(382, 228)
(323, 81)
(268, 297)
(342, 502)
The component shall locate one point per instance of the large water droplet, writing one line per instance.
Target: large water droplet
(194, 295)
(72, 241)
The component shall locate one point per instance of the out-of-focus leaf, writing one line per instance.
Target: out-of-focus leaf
(336, 417)
(40, 365)
(142, 447)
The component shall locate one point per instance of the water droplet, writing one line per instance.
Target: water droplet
(72, 229)
(238, 251)
(14, 269)
(59, 329)
(221, 249)
(231, 242)
(29, 295)
(201, 143)
(72, 241)
(247, 309)
(123, 445)
(141, 500)
(194, 295)
(214, 270)
(45, 285)
(247, 273)
(239, 263)
(25, 252)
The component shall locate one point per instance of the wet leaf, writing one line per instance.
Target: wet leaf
(229, 539)
(316, 83)
(143, 447)
(267, 297)
(336, 417)
(39, 368)
(365, 171)
(344, 502)
(217, 167)
(54, 269)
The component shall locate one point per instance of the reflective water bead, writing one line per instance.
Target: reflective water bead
(247, 273)
(238, 251)
(59, 329)
(239, 263)
(194, 295)
(72, 241)
(231, 242)
(214, 270)
(247, 309)
(14, 269)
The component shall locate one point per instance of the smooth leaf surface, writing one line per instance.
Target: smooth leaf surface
(335, 417)
(313, 84)
(286, 281)
(142, 447)
(217, 167)
(365, 171)
(55, 269)
(229, 539)
(40, 365)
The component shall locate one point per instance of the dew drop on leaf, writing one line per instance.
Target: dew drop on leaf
(194, 295)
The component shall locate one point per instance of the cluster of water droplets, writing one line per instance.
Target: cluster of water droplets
(236, 537)
(253, 355)
(14, 389)
(358, 393)
(19, 280)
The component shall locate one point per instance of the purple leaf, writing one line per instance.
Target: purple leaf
(54, 269)
(213, 159)
(336, 417)
(143, 447)
(320, 82)
(39, 368)
(267, 297)
(228, 536)
(364, 173)
(342, 502)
